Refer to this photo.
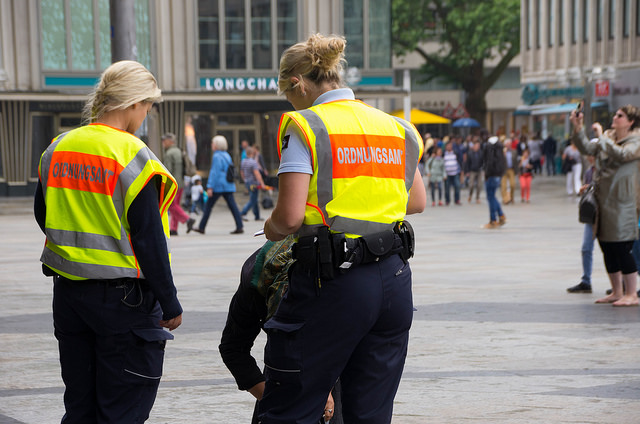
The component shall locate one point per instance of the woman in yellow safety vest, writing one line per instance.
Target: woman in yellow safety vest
(102, 203)
(348, 176)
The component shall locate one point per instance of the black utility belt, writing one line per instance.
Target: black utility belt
(332, 253)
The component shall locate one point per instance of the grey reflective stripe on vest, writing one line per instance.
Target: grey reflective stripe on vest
(325, 160)
(412, 152)
(45, 163)
(338, 224)
(90, 271)
(89, 241)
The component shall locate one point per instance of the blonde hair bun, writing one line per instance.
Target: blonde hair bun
(319, 59)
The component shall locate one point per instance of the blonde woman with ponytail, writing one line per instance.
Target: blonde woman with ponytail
(102, 202)
(348, 176)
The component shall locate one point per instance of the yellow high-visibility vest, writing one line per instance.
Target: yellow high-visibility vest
(90, 176)
(361, 180)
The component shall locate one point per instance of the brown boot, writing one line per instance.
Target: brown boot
(503, 219)
(491, 225)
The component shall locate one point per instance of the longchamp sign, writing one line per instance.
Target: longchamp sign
(240, 84)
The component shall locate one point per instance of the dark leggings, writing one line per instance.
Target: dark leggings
(618, 257)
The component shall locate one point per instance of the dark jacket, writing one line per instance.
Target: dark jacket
(549, 146)
(474, 161)
(493, 159)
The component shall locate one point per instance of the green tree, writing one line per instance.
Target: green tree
(468, 33)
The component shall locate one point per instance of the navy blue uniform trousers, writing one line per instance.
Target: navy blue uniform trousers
(111, 354)
(355, 327)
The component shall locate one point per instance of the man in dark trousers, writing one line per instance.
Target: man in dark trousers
(549, 148)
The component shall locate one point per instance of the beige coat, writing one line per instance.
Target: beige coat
(617, 187)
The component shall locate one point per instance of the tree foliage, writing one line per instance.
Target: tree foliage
(468, 33)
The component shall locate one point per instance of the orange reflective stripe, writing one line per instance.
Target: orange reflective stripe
(319, 212)
(356, 155)
(84, 172)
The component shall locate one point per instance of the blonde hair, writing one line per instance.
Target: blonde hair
(220, 142)
(121, 85)
(320, 58)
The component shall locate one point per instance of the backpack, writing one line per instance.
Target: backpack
(231, 173)
(188, 167)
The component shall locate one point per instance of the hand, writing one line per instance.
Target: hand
(597, 129)
(172, 324)
(258, 390)
(577, 119)
(270, 233)
(329, 408)
(583, 188)
(209, 192)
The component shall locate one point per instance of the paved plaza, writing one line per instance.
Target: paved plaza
(495, 338)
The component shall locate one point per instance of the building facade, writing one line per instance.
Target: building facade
(574, 50)
(216, 62)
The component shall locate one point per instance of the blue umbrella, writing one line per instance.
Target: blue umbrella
(466, 123)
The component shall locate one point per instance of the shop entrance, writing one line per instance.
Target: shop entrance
(235, 127)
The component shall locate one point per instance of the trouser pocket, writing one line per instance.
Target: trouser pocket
(145, 355)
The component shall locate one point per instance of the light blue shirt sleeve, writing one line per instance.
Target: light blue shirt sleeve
(296, 156)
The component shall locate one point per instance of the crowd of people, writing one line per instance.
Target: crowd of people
(331, 287)
(459, 163)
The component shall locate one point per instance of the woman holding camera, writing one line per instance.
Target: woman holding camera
(618, 195)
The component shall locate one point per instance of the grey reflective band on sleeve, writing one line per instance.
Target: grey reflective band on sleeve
(412, 151)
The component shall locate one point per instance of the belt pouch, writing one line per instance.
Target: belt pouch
(305, 251)
(378, 245)
(325, 254)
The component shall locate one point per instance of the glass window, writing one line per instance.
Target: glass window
(539, 22)
(551, 29)
(574, 21)
(527, 7)
(105, 33)
(626, 18)
(235, 40)
(560, 22)
(379, 34)
(585, 20)
(354, 32)
(208, 34)
(612, 19)
(69, 38)
(83, 55)
(637, 17)
(287, 24)
(261, 34)
(143, 38)
(599, 17)
(54, 47)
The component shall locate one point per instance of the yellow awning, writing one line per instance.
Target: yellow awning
(421, 117)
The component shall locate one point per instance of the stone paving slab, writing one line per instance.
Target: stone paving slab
(495, 338)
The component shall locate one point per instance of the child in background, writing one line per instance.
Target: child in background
(197, 194)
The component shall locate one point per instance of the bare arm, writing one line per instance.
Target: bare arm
(288, 214)
(417, 196)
